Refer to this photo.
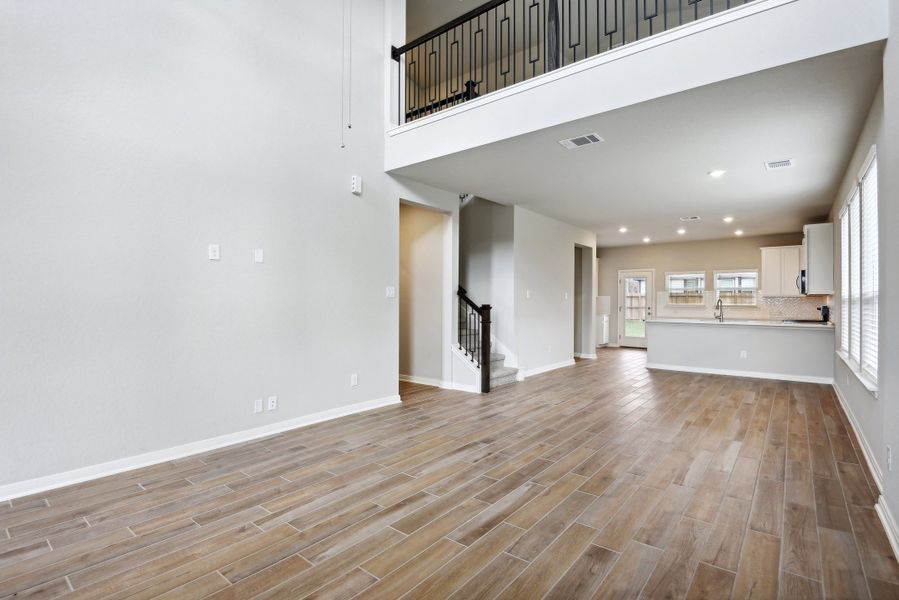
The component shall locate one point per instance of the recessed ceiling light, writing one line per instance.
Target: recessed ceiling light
(717, 173)
(728, 219)
(738, 232)
(646, 240)
(622, 230)
(681, 231)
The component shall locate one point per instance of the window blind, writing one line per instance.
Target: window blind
(844, 281)
(855, 280)
(869, 271)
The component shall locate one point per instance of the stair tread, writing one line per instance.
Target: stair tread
(503, 372)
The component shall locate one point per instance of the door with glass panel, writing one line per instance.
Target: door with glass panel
(635, 302)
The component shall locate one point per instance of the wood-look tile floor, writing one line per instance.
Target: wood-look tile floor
(602, 480)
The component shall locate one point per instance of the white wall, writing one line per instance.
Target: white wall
(421, 292)
(657, 66)
(486, 267)
(544, 273)
(133, 136)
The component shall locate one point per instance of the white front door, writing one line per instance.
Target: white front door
(635, 298)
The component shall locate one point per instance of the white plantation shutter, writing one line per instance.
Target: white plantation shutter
(869, 271)
(855, 278)
(844, 281)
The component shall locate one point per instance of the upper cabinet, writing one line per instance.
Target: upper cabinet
(781, 268)
(817, 259)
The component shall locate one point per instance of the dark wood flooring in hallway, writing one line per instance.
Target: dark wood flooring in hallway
(602, 480)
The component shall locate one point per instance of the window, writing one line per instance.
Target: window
(859, 276)
(686, 288)
(737, 288)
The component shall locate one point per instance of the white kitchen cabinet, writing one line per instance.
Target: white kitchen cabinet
(817, 258)
(780, 271)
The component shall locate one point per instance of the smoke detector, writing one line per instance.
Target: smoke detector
(772, 165)
(581, 141)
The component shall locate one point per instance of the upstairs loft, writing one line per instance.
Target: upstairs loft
(504, 42)
(514, 67)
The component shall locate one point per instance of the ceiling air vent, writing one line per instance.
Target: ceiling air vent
(691, 218)
(581, 141)
(772, 165)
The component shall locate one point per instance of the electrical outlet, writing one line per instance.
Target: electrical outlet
(744, 354)
(257, 405)
(215, 252)
(272, 402)
(354, 379)
(889, 458)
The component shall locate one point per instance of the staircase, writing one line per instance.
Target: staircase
(500, 374)
(474, 340)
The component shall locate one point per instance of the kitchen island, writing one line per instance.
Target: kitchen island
(788, 350)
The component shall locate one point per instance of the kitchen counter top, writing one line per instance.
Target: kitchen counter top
(744, 323)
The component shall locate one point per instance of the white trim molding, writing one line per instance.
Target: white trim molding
(522, 375)
(867, 451)
(462, 387)
(889, 523)
(584, 355)
(750, 374)
(80, 475)
(426, 381)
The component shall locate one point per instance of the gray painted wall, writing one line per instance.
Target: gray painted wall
(486, 266)
(133, 136)
(889, 255)
(421, 292)
(544, 273)
(878, 416)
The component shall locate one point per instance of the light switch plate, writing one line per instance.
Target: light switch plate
(214, 252)
(390, 292)
(354, 379)
(356, 185)
(258, 255)
(257, 405)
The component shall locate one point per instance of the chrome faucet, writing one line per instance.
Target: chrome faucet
(719, 310)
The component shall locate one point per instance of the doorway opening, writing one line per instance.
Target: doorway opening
(584, 342)
(635, 300)
(423, 292)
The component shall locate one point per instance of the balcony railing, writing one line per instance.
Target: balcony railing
(504, 42)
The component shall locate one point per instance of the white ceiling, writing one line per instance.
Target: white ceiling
(652, 167)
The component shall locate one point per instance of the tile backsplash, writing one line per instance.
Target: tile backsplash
(768, 308)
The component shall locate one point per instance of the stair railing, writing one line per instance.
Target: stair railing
(474, 334)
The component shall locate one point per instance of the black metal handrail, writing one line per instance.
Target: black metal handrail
(474, 334)
(503, 42)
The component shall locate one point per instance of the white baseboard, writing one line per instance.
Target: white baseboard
(522, 375)
(466, 388)
(58, 480)
(889, 523)
(584, 355)
(426, 381)
(866, 449)
(735, 373)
